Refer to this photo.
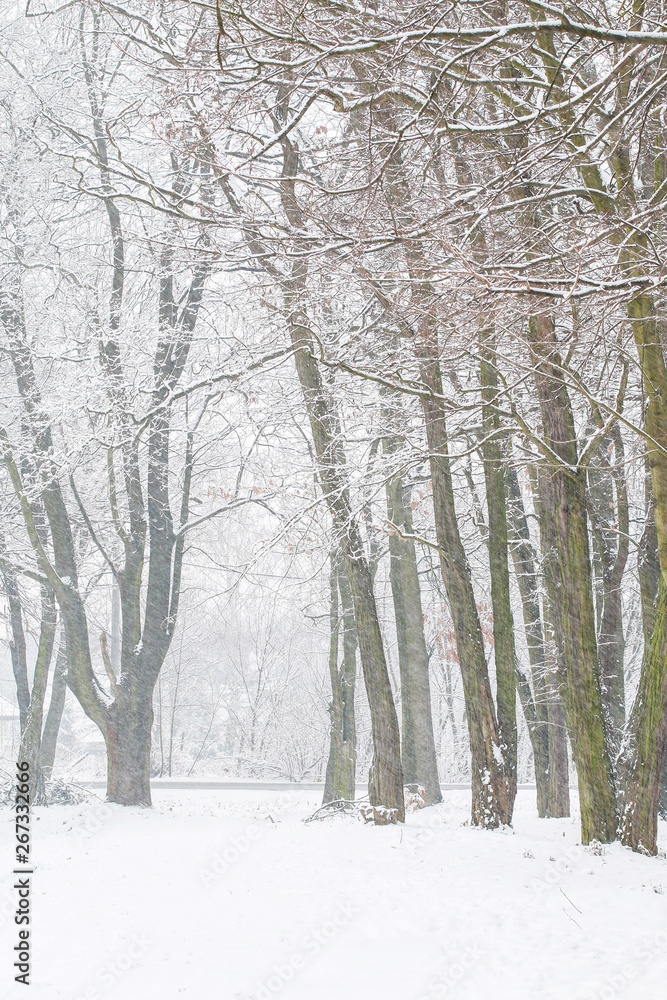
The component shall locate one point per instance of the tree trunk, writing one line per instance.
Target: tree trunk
(17, 648)
(541, 705)
(643, 764)
(610, 522)
(648, 741)
(128, 740)
(569, 586)
(662, 804)
(559, 778)
(55, 713)
(503, 625)
(420, 764)
(491, 786)
(386, 777)
(342, 763)
(31, 736)
(534, 702)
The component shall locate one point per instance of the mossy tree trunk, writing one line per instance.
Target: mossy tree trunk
(617, 204)
(569, 586)
(643, 763)
(386, 778)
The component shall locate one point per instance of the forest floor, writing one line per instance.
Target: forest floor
(230, 896)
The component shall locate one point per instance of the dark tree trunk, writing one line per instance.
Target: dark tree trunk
(648, 563)
(643, 761)
(420, 764)
(386, 779)
(568, 580)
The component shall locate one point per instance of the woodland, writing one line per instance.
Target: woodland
(333, 411)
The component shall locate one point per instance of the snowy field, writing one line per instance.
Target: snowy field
(222, 895)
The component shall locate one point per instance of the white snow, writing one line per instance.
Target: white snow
(223, 895)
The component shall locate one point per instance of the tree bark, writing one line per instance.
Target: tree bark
(647, 742)
(643, 763)
(491, 785)
(341, 765)
(535, 701)
(55, 713)
(128, 741)
(542, 707)
(31, 736)
(17, 647)
(503, 625)
(610, 520)
(420, 764)
(569, 586)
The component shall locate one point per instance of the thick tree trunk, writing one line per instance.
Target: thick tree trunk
(491, 786)
(569, 586)
(128, 740)
(420, 764)
(644, 759)
(648, 563)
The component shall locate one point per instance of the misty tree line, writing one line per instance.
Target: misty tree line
(426, 242)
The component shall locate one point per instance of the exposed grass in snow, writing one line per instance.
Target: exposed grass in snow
(217, 895)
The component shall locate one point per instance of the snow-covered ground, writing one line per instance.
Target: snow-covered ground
(223, 895)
